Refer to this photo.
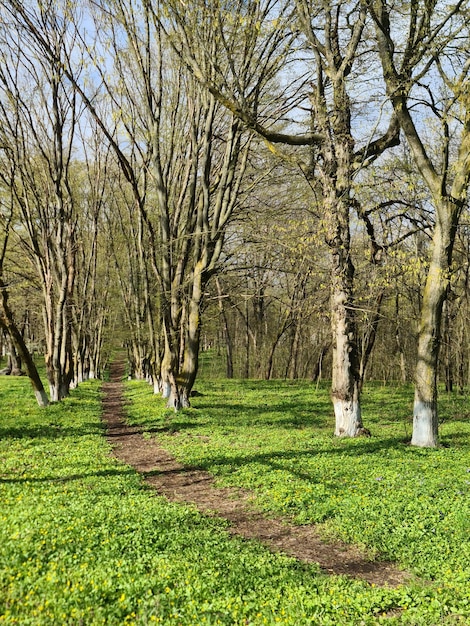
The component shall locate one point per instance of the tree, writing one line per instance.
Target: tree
(426, 61)
(7, 320)
(182, 156)
(393, 213)
(193, 159)
(323, 81)
(272, 287)
(128, 242)
(39, 118)
(92, 289)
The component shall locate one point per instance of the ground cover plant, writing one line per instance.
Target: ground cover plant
(406, 504)
(83, 541)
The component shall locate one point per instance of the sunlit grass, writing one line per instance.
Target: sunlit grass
(275, 438)
(82, 541)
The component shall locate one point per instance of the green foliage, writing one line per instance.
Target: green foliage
(83, 541)
(405, 504)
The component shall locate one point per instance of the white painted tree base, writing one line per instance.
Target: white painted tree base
(41, 397)
(166, 389)
(54, 393)
(425, 433)
(348, 418)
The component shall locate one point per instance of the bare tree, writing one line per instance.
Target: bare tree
(298, 67)
(7, 319)
(40, 119)
(92, 293)
(426, 60)
(185, 167)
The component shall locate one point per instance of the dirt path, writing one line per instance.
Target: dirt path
(182, 484)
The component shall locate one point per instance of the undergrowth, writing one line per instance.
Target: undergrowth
(402, 503)
(84, 541)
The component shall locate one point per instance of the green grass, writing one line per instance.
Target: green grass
(405, 504)
(83, 541)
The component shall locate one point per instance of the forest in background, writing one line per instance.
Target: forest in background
(282, 183)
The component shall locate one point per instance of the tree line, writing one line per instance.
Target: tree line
(295, 171)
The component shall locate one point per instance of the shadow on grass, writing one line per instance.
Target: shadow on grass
(51, 431)
(274, 460)
(71, 478)
(459, 438)
(288, 413)
(171, 428)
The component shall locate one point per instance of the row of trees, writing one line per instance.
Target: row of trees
(136, 132)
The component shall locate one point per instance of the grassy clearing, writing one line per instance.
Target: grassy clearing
(83, 541)
(405, 504)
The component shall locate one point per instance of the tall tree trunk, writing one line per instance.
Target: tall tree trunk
(14, 360)
(345, 390)
(169, 365)
(425, 419)
(56, 365)
(226, 330)
(190, 364)
(191, 353)
(449, 192)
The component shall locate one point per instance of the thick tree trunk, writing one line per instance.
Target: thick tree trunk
(336, 173)
(191, 352)
(425, 418)
(345, 391)
(169, 369)
(448, 203)
(57, 299)
(192, 335)
(14, 361)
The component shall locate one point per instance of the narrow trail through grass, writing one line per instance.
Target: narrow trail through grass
(190, 485)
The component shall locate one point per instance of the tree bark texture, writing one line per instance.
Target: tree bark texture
(345, 389)
(425, 416)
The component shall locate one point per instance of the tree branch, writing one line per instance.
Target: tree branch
(374, 149)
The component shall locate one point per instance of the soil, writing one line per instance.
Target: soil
(184, 484)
